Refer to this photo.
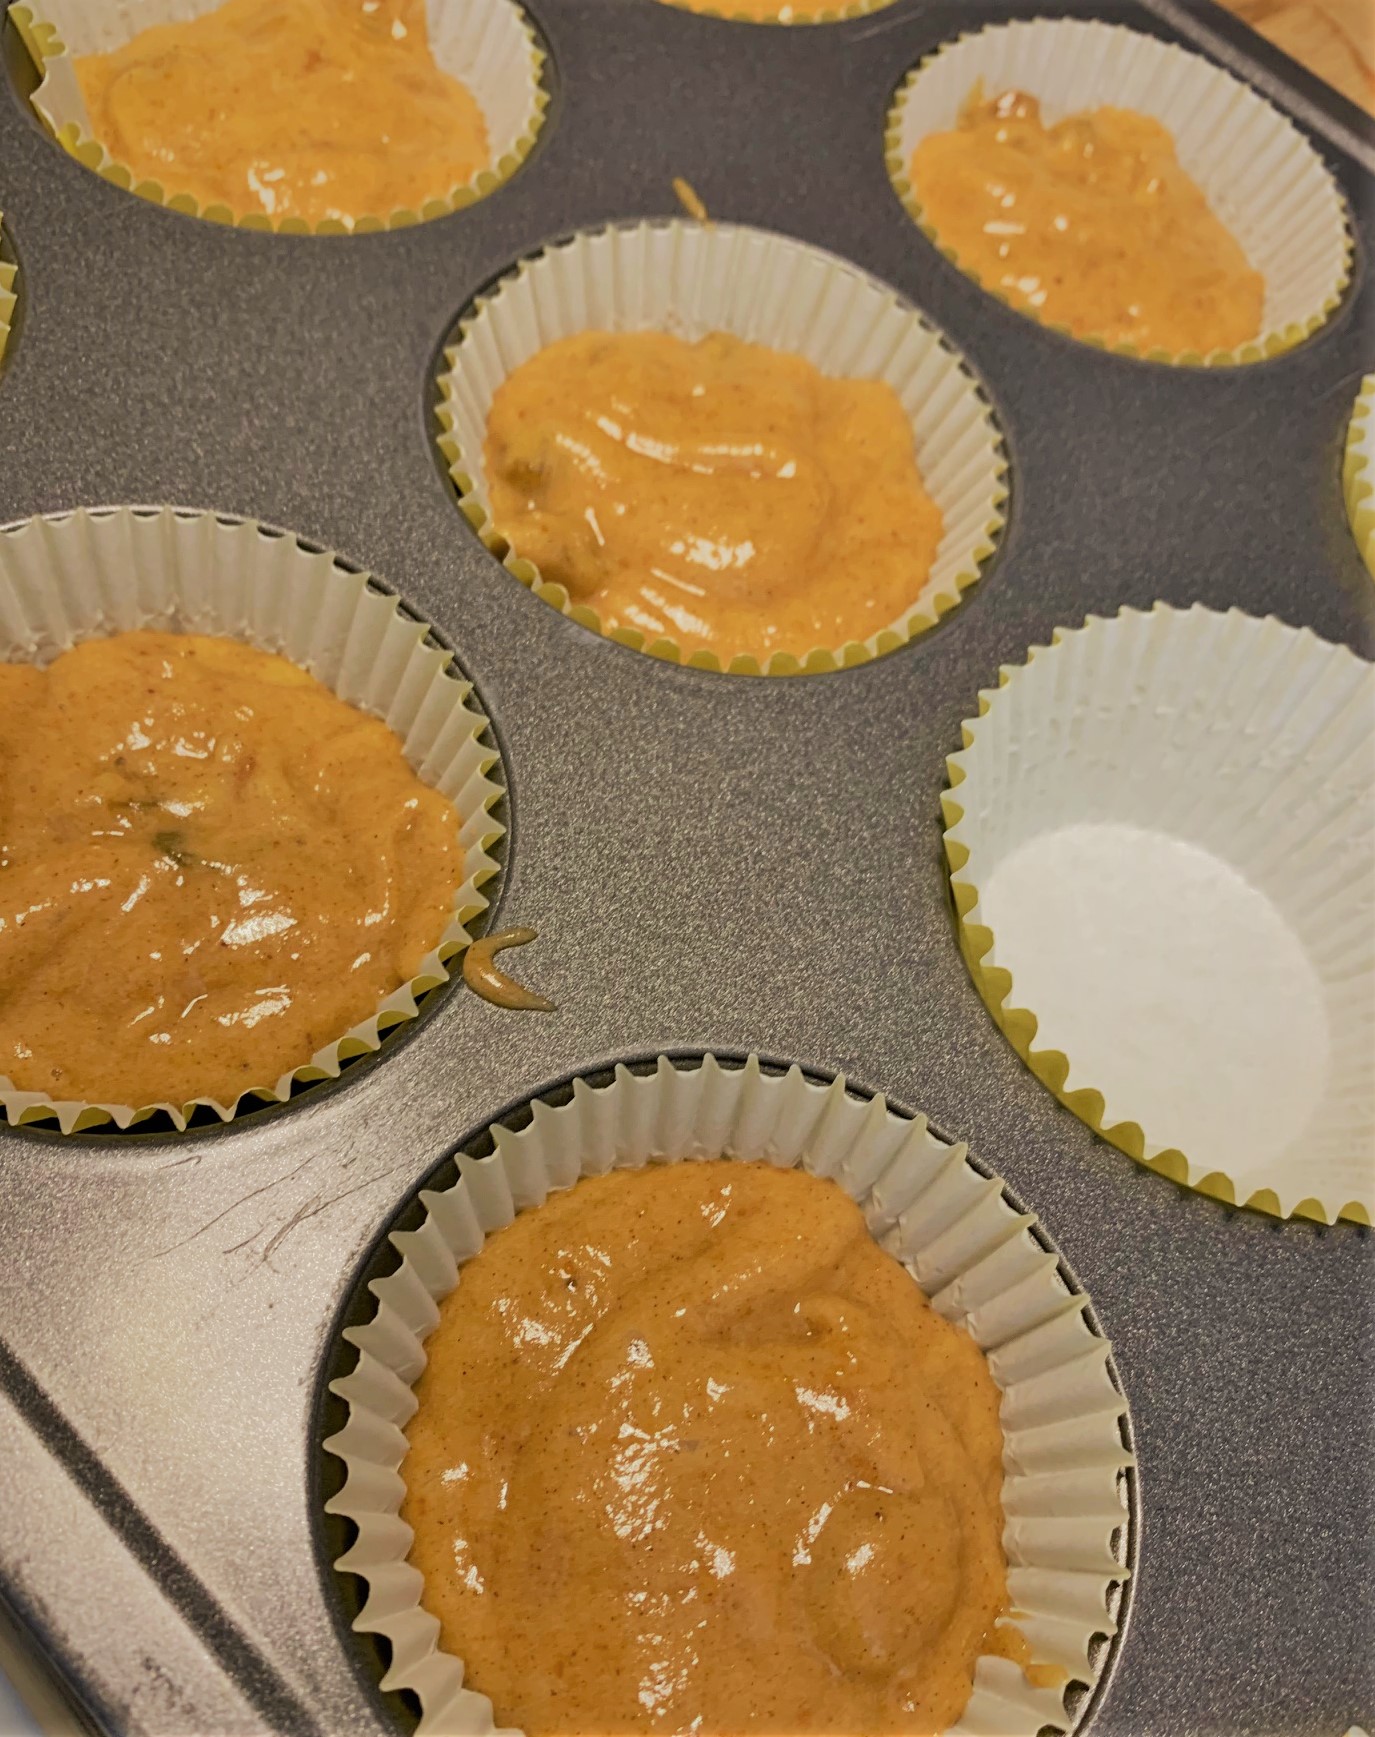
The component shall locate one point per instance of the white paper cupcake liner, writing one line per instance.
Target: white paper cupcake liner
(8, 297)
(1161, 832)
(487, 44)
(1358, 472)
(88, 574)
(1260, 175)
(690, 279)
(1065, 1500)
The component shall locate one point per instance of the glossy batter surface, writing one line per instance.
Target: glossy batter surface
(1090, 224)
(210, 867)
(693, 1454)
(293, 108)
(718, 493)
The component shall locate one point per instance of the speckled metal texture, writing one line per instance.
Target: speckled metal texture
(712, 862)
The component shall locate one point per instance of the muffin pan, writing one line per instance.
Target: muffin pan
(712, 861)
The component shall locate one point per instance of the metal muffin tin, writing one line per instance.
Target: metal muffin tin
(712, 861)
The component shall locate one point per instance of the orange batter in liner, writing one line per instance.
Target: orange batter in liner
(292, 108)
(719, 494)
(693, 1454)
(767, 11)
(210, 867)
(1090, 224)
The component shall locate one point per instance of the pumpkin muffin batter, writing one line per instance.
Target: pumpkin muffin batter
(767, 11)
(210, 867)
(693, 1453)
(719, 494)
(1090, 224)
(290, 108)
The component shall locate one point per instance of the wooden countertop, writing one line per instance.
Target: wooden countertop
(1333, 38)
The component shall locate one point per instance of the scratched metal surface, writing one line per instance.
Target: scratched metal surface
(711, 861)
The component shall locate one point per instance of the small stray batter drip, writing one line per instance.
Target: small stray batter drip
(486, 978)
(719, 494)
(692, 1453)
(210, 868)
(1089, 224)
(290, 108)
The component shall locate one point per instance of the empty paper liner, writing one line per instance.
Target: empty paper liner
(1161, 833)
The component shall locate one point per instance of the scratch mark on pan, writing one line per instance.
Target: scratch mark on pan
(880, 26)
(299, 1218)
(243, 1200)
(309, 1209)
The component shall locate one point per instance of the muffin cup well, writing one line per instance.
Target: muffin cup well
(487, 44)
(690, 279)
(88, 574)
(1358, 472)
(979, 1259)
(1161, 834)
(1260, 175)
